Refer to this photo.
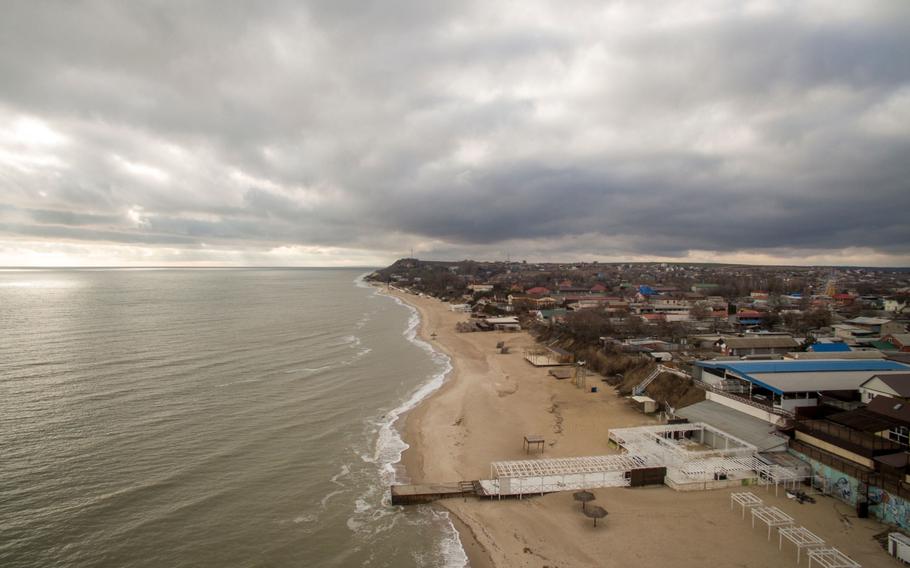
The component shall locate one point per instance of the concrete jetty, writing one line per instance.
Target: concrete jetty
(429, 492)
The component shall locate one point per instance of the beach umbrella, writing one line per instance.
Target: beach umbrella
(596, 512)
(584, 497)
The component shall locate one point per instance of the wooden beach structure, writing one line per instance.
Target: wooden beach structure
(533, 440)
(548, 356)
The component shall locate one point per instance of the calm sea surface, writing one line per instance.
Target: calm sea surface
(208, 418)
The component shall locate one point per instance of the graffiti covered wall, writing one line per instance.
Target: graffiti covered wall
(883, 505)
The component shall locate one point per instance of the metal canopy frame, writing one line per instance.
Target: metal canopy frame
(564, 474)
(831, 558)
(746, 500)
(686, 452)
(771, 516)
(671, 441)
(801, 537)
(568, 466)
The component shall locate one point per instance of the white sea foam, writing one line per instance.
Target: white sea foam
(373, 513)
(390, 446)
(345, 471)
(361, 282)
(351, 341)
(305, 518)
(238, 382)
(451, 547)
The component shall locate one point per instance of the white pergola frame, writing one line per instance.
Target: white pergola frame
(801, 537)
(771, 516)
(778, 475)
(661, 440)
(746, 500)
(564, 474)
(666, 445)
(568, 466)
(671, 445)
(831, 558)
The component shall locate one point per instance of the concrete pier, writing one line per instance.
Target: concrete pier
(427, 493)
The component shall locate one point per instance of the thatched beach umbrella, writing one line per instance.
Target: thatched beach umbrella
(584, 497)
(596, 512)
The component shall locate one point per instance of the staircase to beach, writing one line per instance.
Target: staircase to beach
(640, 387)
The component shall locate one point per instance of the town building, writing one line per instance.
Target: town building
(756, 345)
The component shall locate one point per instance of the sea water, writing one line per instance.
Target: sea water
(210, 417)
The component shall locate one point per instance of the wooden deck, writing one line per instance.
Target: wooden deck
(427, 493)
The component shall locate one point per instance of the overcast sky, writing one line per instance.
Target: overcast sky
(348, 133)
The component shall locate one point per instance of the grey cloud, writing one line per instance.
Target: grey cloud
(468, 126)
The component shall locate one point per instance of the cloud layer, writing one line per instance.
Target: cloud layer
(350, 132)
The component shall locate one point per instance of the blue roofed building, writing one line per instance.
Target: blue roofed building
(780, 387)
(833, 347)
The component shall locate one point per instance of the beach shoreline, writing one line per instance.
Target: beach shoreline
(412, 457)
(489, 401)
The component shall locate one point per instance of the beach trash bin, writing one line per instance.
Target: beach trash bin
(593, 389)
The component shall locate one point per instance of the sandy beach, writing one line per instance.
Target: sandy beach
(490, 401)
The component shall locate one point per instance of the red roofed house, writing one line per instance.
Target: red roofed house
(538, 291)
(900, 340)
(654, 317)
(844, 299)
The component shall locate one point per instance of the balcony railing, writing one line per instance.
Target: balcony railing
(861, 443)
(745, 400)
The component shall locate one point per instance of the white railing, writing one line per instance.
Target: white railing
(640, 388)
(766, 407)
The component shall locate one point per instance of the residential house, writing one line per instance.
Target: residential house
(550, 317)
(900, 341)
(895, 305)
(852, 463)
(538, 291)
(785, 385)
(854, 335)
(531, 302)
(878, 326)
(704, 288)
(769, 345)
(895, 386)
(748, 318)
(829, 347)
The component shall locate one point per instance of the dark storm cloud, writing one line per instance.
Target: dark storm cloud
(464, 128)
